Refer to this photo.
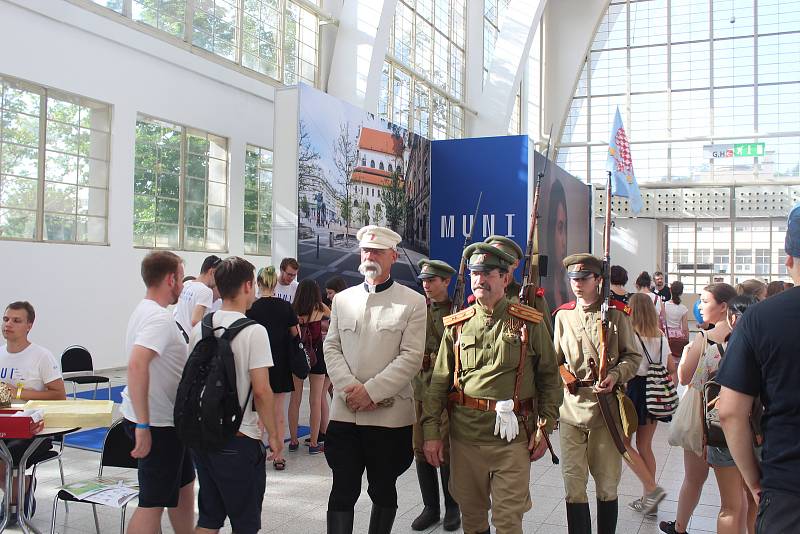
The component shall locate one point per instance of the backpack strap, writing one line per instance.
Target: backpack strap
(230, 368)
(207, 323)
(183, 332)
(646, 352)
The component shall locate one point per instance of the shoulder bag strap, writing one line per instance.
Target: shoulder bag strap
(523, 351)
(457, 351)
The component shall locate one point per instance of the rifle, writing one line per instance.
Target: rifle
(460, 289)
(600, 372)
(606, 287)
(530, 269)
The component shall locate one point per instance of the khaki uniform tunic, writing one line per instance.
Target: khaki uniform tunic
(586, 443)
(434, 330)
(488, 472)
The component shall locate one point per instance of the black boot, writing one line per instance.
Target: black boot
(452, 514)
(606, 517)
(340, 522)
(381, 520)
(429, 487)
(579, 520)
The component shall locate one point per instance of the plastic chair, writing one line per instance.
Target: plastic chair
(77, 368)
(117, 447)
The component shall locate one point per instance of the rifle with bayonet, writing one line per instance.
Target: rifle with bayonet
(459, 292)
(607, 401)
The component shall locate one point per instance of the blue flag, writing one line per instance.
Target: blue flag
(623, 181)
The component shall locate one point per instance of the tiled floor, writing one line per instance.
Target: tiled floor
(295, 501)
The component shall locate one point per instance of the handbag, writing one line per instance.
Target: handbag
(712, 429)
(661, 396)
(686, 430)
(299, 362)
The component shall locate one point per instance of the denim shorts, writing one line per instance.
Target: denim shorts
(719, 457)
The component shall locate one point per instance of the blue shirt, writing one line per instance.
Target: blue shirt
(763, 358)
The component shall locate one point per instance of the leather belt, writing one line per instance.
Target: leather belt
(585, 383)
(427, 361)
(486, 405)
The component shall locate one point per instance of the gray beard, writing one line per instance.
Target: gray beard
(370, 269)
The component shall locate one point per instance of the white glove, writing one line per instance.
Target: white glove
(506, 425)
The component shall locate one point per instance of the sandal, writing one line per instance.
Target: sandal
(294, 446)
(279, 465)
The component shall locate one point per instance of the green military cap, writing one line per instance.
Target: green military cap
(509, 246)
(484, 257)
(582, 265)
(431, 268)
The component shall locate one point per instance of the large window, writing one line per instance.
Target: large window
(698, 252)
(422, 85)
(688, 74)
(278, 38)
(180, 187)
(258, 201)
(54, 151)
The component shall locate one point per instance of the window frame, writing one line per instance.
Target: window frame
(245, 211)
(45, 93)
(186, 131)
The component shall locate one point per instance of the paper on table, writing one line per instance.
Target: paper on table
(35, 415)
(108, 491)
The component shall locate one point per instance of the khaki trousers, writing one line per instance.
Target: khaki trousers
(419, 438)
(496, 477)
(585, 450)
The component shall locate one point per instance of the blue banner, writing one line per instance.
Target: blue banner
(463, 168)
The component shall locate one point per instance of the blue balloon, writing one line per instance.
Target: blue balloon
(697, 315)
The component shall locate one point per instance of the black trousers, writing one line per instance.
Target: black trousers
(385, 453)
(778, 512)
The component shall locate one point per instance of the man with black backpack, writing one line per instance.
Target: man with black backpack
(223, 393)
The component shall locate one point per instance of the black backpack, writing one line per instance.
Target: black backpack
(207, 412)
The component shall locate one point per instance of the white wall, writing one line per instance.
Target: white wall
(84, 294)
(635, 245)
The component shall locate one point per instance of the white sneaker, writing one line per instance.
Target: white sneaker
(651, 500)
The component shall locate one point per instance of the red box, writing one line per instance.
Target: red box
(15, 427)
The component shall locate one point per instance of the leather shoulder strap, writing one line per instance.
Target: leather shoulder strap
(523, 352)
(457, 352)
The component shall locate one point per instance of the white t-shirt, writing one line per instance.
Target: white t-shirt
(153, 327)
(32, 367)
(194, 294)
(286, 292)
(251, 350)
(658, 348)
(675, 314)
(215, 306)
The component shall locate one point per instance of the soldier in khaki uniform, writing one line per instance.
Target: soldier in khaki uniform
(495, 401)
(435, 276)
(587, 444)
(509, 246)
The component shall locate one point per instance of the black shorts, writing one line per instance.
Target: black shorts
(164, 471)
(232, 483)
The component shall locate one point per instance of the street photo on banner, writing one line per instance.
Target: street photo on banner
(355, 169)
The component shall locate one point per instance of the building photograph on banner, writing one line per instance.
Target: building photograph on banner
(356, 170)
(563, 227)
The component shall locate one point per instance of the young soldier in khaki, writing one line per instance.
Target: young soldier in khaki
(435, 276)
(480, 354)
(586, 442)
(509, 246)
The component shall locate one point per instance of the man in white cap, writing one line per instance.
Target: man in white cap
(373, 349)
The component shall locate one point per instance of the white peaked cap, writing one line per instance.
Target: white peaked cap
(372, 236)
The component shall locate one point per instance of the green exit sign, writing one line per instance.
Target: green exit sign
(748, 149)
